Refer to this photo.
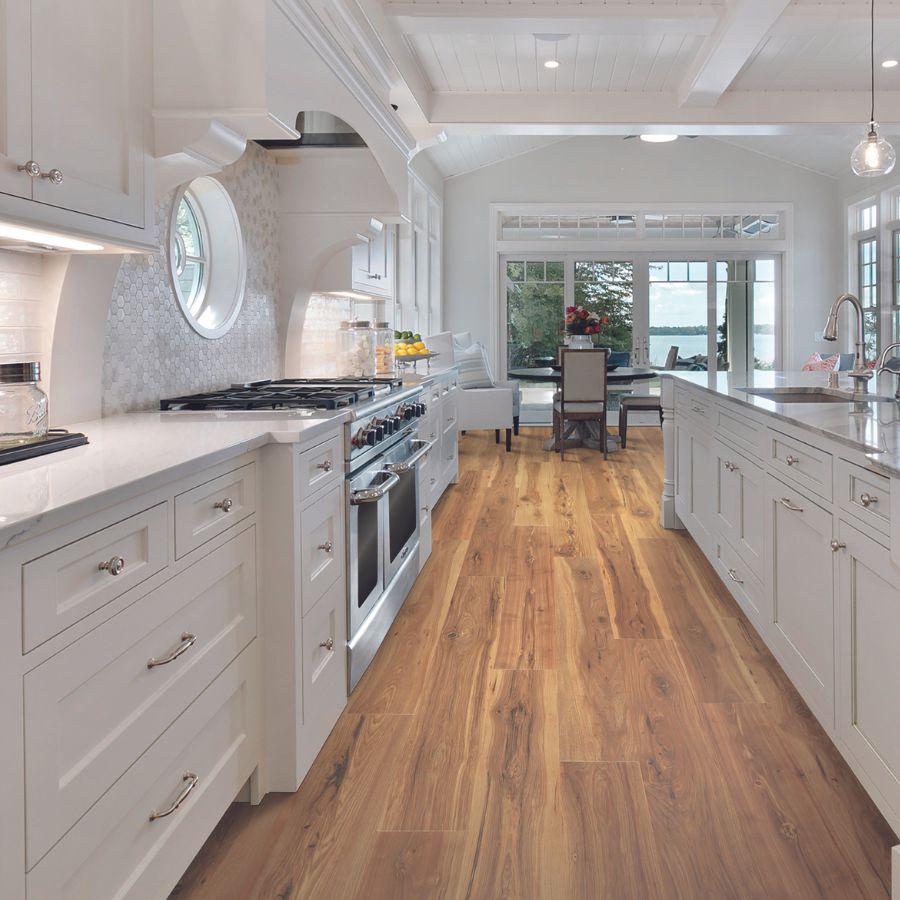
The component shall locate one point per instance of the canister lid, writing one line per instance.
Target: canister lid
(360, 323)
(20, 372)
(382, 324)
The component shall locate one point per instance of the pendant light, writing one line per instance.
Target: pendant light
(873, 155)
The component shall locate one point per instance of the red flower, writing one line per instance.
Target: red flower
(583, 313)
(570, 309)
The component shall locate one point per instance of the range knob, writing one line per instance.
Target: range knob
(406, 411)
(420, 409)
(371, 436)
(386, 424)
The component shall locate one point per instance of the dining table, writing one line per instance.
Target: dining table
(578, 433)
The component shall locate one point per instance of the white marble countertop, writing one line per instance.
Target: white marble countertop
(141, 451)
(872, 427)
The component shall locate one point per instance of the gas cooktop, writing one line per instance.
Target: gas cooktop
(287, 393)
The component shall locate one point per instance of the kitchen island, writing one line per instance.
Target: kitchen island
(797, 506)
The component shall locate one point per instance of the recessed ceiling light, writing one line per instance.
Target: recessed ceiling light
(551, 64)
(44, 238)
(659, 138)
(889, 64)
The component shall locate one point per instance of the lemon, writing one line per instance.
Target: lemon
(419, 346)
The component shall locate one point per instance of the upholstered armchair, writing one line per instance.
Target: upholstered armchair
(483, 402)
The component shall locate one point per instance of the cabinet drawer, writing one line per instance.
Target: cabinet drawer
(62, 587)
(746, 434)
(321, 546)
(448, 414)
(116, 850)
(93, 708)
(804, 464)
(690, 404)
(320, 467)
(743, 584)
(865, 494)
(324, 670)
(210, 508)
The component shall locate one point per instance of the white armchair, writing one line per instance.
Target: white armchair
(494, 407)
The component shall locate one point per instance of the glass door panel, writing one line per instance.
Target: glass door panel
(746, 314)
(678, 314)
(607, 288)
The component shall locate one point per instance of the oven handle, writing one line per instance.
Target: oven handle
(407, 464)
(373, 495)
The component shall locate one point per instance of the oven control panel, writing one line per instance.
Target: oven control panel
(385, 424)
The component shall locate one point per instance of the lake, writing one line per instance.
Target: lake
(694, 344)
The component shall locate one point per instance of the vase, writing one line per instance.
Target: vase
(579, 341)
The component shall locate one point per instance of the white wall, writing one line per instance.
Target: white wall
(611, 170)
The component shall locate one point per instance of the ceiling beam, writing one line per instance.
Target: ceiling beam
(727, 49)
(738, 112)
(532, 18)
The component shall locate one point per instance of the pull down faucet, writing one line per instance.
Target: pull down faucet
(860, 374)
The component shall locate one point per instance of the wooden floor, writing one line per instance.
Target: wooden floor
(569, 706)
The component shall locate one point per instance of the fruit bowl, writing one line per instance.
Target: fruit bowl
(414, 357)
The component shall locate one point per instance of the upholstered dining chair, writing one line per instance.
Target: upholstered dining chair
(582, 393)
(644, 402)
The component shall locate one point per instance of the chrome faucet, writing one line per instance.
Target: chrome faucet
(882, 366)
(859, 373)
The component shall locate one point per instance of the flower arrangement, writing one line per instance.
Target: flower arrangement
(581, 321)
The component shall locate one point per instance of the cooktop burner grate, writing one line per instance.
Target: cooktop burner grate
(272, 395)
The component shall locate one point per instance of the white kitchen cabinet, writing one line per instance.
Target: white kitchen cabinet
(739, 504)
(77, 82)
(801, 562)
(373, 263)
(868, 623)
(694, 482)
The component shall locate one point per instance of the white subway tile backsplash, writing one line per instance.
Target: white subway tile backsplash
(21, 277)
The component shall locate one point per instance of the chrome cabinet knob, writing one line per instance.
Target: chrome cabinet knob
(426, 508)
(867, 499)
(328, 546)
(732, 467)
(837, 545)
(327, 644)
(54, 176)
(225, 505)
(115, 565)
(31, 169)
(326, 466)
(791, 460)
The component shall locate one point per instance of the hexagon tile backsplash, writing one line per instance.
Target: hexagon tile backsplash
(150, 350)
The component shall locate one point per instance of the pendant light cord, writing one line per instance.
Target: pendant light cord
(872, 58)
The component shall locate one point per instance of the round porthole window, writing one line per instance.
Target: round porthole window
(206, 256)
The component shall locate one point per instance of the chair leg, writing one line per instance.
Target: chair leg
(508, 440)
(560, 436)
(660, 417)
(623, 425)
(497, 436)
(516, 425)
(604, 436)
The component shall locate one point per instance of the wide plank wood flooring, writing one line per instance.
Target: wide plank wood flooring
(569, 705)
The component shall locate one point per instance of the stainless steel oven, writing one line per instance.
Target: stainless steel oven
(383, 532)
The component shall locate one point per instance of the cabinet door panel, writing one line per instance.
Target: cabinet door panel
(739, 504)
(868, 714)
(802, 572)
(694, 482)
(89, 105)
(15, 97)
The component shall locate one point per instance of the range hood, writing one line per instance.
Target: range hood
(318, 129)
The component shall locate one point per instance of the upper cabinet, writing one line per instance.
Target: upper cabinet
(373, 262)
(74, 117)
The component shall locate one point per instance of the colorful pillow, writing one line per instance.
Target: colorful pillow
(474, 371)
(816, 364)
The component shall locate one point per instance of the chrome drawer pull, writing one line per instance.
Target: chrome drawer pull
(786, 503)
(426, 508)
(187, 641)
(328, 644)
(792, 460)
(191, 780)
(733, 576)
(867, 499)
(114, 565)
(325, 466)
(837, 545)
(225, 505)
(328, 546)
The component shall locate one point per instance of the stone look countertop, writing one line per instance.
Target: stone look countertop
(140, 451)
(873, 427)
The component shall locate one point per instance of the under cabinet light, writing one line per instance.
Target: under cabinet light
(48, 239)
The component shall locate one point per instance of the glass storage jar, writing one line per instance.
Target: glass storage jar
(384, 349)
(356, 350)
(23, 405)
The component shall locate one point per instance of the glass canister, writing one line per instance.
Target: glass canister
(356, 350)
(384, 349)
(23, 405)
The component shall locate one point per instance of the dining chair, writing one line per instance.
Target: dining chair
(643, 402)
(582, 393)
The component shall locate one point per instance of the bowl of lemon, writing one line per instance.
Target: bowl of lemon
(410, 348)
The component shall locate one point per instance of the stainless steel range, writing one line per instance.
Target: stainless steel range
(381, 452)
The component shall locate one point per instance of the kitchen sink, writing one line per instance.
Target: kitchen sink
(813, 395)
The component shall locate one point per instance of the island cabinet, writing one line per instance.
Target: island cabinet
(802, 529)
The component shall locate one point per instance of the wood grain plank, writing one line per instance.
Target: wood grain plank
(634, 603)
(531, 553)
(608, 832)
(455, 517)
(393, 682)
(411, 865)
(573, 528)
(713, 664)
(527, 624)
(534, 505)
(492, 535)
(434, 772)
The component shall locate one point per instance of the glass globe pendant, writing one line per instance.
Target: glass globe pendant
(873, 155)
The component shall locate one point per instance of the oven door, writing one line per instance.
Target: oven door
(367, 499)
(402, 531)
